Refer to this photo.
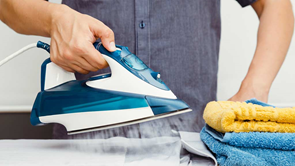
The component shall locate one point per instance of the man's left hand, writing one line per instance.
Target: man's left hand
(246, 93)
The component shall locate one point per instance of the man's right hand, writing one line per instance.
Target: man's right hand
(72, 33)
(72, 37)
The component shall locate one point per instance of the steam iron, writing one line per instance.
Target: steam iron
(130, 94)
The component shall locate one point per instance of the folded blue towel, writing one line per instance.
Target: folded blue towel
(279, 141)
(233, 155)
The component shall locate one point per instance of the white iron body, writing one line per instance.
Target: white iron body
(83, 117)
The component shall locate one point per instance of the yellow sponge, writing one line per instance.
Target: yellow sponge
(229, 116)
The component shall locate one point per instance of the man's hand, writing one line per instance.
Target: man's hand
(72, 37)
(247, 92)
(72, 33)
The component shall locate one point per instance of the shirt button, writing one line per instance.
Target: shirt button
(141, 25)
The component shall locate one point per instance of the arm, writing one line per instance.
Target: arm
(72, 33)
(273, 41)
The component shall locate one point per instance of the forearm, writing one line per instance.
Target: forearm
(31, 17)
(274, 37)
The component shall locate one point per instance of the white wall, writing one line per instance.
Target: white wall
(20, 78)
(238, 42)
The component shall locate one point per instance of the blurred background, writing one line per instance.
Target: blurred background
(20, 78)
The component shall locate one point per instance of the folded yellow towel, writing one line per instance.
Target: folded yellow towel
(229, 116)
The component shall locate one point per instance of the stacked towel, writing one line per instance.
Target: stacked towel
(228, 155)
(229, 116)
(278, 141)
(244, 147)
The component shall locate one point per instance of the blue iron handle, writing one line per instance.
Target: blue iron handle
(132, 61)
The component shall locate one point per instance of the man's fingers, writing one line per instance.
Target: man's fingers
(61, 64)
(100, 30)
(95, 58)
(78, 53)
(68, 69)
(81, 62)
(78, 69)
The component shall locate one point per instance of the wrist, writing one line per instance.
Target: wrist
(56, 12)
(256, 87)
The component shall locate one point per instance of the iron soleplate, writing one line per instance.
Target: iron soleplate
(177, 112)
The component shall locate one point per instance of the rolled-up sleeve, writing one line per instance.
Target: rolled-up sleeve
(245, 3)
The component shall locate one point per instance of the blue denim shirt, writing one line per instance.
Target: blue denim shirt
(178, 38)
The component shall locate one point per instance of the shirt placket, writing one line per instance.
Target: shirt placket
(142, 30)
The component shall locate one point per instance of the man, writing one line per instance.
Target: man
(178, 38)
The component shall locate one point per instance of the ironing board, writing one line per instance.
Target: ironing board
(116, 151)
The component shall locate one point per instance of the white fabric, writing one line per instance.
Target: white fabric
(193, 144)
(116, 151)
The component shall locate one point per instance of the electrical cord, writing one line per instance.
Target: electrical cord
(39, 44)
